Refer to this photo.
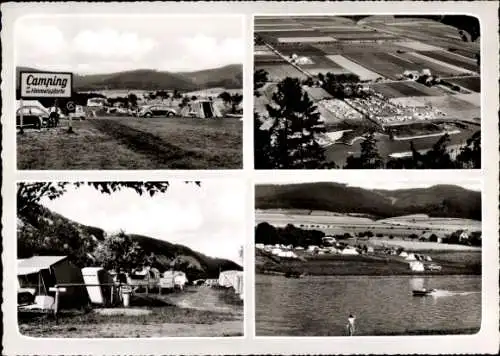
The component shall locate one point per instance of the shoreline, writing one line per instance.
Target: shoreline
(372, 274)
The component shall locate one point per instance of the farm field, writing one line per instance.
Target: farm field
(393, 65)
(346, 223)
(453, 59)
(405, 89)
(131, 143)
(277, 72)
(471, 83)
(422, 245)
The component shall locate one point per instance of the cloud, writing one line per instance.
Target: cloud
(109, 43)
(40, 41)
(202, 51)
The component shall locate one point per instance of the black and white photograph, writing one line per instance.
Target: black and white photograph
(367, 92)
(368, 258)
(130, 259)
(129, 91)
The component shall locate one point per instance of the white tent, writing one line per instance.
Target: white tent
(411, 257)
(30, 103)
(201, 109)
(349, 251)
(403, 254)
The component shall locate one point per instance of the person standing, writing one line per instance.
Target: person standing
(351, 328)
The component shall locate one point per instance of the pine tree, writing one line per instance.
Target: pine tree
(470, 155)
(296, 127)
(370, 157)
(438, 157)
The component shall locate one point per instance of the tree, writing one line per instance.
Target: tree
(120, 252)
(438, 157)
(262, 145)
(176, 94)
(226, 97)
(369, 157)
(132, 99)
(184, 102)
(29, 194)
(260, 77)
(470, 155)
(236, 100)
(295, 128)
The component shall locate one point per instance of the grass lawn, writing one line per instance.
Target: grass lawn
(167, 318)
(131, 143)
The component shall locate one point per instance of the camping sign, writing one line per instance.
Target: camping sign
(46, 84)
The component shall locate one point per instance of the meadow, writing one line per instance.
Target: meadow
(130, 143)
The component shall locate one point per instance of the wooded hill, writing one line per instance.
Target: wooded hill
(43, 232)
(229, 77)
(436, 201)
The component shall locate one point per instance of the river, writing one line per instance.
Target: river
(320, 305)
(338, 153)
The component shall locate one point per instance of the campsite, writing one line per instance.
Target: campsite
(79, 280)
(196, 136)
(366, 74)
(396, 258)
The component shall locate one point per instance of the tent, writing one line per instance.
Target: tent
(411, 257)
(43, 272)
(416, 266)
(30, 103)
(201, 109)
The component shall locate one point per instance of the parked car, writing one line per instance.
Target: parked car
(156, 110)
(79, 113)
(434, 267)
(35, 116)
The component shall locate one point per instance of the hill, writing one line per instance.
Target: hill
(435, 201)
(229, 77)
(43, 232)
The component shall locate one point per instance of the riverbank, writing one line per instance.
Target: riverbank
(195, 312)
(452, 263)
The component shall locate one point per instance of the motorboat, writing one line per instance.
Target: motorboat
(422, 292)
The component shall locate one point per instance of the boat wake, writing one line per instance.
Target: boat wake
(450, 293)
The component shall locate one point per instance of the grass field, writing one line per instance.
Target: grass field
(278, 72)
(471, 83)
(131, 143)
(462, 263)
(169, 316)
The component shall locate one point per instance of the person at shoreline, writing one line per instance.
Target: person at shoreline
(350, 325)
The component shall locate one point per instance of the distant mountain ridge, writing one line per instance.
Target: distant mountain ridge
(229, 77)
(43, 232)
(436, 201)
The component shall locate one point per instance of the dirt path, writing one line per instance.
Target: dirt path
(106, 330)
(203, 298)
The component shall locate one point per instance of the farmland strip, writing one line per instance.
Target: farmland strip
(362, 72)
(441, 63)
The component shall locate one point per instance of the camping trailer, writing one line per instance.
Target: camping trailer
(201, 109)
(100, 295)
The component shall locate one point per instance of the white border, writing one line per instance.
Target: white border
(486, 341)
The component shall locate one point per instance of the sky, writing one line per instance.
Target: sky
(91, 44)
(208, 219)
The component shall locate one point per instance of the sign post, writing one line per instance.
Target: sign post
(70, 106)
(21, 121)
(36, 85)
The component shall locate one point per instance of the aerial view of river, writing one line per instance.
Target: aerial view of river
(320, 305)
